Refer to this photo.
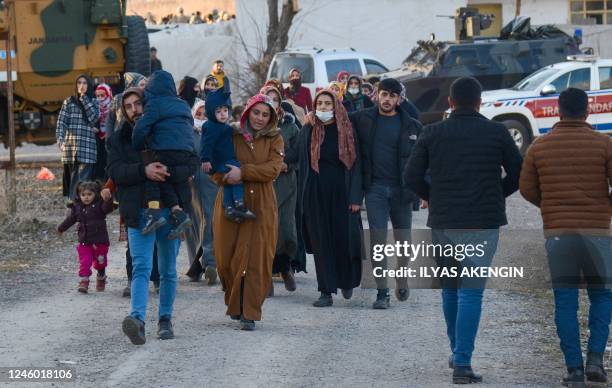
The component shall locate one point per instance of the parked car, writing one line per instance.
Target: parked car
(531, 107)
(321, 66)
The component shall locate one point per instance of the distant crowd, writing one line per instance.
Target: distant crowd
(197, 17)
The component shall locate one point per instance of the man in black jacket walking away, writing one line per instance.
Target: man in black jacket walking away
(387, 135)
(463, 157)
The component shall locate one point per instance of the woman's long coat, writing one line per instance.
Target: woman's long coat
(245, 251)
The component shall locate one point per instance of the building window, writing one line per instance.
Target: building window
(591, 11)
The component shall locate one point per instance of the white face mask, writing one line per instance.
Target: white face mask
(198, 123)
(353, 90)
(325, 116)
(275, 104)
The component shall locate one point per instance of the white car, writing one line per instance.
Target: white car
(321, 66)
(531, 108)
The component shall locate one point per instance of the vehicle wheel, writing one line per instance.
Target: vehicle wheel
(137, 54)
(519, 134)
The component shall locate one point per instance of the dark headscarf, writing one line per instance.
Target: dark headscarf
(346, 142)
(91, 91)
(185, 90)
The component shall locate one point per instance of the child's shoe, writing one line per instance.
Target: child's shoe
(241, 211)
(154, 221)
(83, 285)
(231, 215)
(100, 283)
(180, 221)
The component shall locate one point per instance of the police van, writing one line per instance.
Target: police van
(531, 108)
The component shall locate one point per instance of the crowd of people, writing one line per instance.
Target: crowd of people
(215, 16)
(253, 189)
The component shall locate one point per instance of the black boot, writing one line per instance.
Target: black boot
(154, 221)
(574, 378)
(325, 300)
(164, 329)
(594, 370)
(180, 222)
(465, 375)
(134, 329)
(382, 300)
(231, 215)
(347, 293)
(247, 324)
(402, 294)
(241, 211)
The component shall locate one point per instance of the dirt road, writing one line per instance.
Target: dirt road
(45, 322)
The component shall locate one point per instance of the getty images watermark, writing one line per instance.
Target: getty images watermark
(467, 253)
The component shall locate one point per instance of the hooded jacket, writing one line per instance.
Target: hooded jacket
(127, 170)
(217, 146)
(115, 116)
(167, 123)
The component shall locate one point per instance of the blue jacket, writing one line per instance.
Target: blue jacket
(167, 123)
(217, 146)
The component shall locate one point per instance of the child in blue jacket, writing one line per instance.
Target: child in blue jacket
(165, 134)
(217, 151)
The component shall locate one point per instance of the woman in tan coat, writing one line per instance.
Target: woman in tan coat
(245, 250)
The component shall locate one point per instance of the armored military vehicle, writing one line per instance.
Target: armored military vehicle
(53, 41)
(432, 66)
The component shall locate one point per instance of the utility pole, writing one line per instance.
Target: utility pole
(518, 8)
(11, 194)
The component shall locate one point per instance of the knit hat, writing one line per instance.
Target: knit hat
(391, 85)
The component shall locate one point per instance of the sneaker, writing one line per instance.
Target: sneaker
(235, 317)
(402, 294)
(154, 221)
(100, 283)
(574, 378)
(465, 375)
(180, 222)
(164, 329)
(210, 274)
(241, 211)
(83, 285)
(289, 281)
(382, 300)
(325, 300)
(134, 329)
(127, 291)
(347, 293)
(594, 370)
(247, 324)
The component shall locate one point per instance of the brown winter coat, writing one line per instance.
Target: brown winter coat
(567, 173)
(245, 252)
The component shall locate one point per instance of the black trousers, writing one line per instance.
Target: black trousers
(128, 265)
(175, 190)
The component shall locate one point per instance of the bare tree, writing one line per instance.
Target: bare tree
(254, 72)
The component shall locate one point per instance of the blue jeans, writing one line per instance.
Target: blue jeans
(384, 203)
(141, 248)
(569, 256)
(462, 300)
